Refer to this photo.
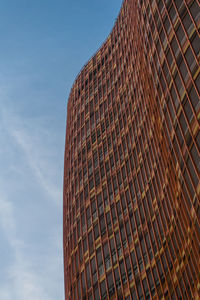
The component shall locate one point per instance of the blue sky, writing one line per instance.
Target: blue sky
(43, 46)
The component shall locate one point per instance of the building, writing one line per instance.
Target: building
(132, 159)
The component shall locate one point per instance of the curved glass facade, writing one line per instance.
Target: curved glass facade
(132, 159)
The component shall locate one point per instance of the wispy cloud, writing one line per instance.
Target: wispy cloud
(7, 217)
(22, 283)
(33, 265)
(33, 147)
(27, 145)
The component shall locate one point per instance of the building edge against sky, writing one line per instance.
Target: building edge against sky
(131, 208)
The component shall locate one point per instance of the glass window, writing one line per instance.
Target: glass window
(96, 292)
(198, 140)
(110, 282)
(175, 101)
(128, 231)
(88, 276)
(178, 3)
(88, 217)
(134, 263)
(153, 240)
(171, 111)
(103, 289)
(169, 58)
(108, 220)
(166, 72)
(168, 258)
(160, 6)
(189, 184)
(146, 289)
(102, 225)
(195, 11)
(139, 257)
(180, 34)
(139, 290)
(123, 272)
(91, 184)
(91, 243)
(172, 13)
(97, 178)
(183, 71)
(117, 278)
(167, 24)
(197, 82)
(179, 84)
(106, 250)
(192, 172)
(175, 47)
(188, 110)
(183, 123)
(137, 218)
(113, 213)
(194, 98)
(183, 289)
(163, 259)
(187, 22)
(196, 44)
(119, 211)
(155, 275)
(133, 294)
(102, 172)
(83, 282)
(96, 231)
(190, 59)
(141, 213)
(160, 270)
(99, 257)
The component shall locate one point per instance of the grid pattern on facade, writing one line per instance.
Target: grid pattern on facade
(132, 159)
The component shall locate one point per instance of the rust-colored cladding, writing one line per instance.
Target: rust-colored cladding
(132, 159)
